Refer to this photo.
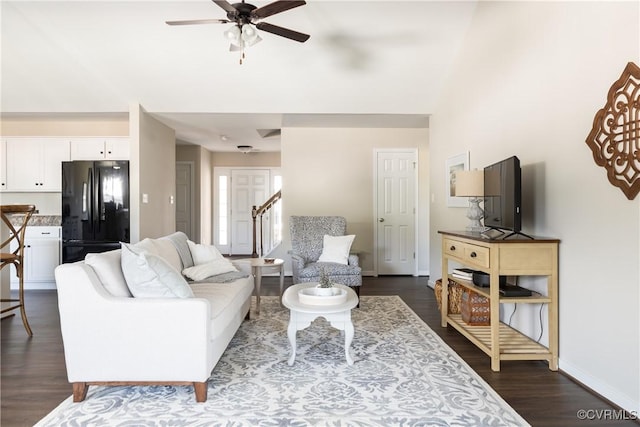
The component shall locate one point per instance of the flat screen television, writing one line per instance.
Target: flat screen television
(502, 195)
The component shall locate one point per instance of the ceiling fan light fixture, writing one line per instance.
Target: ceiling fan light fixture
(248, 32)
(245, 148)
(245, 16)
(233, 34)
(253, 41)
(250, 35)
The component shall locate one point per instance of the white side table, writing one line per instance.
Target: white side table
(258, 266)
(301, 316)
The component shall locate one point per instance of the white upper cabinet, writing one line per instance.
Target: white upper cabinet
(100, 148)
(35, 164)
(3, 165)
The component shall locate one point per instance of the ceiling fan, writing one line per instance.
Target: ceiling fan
(245, 16)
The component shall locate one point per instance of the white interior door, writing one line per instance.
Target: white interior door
(395, 212)
(249, 187)
(184, 200)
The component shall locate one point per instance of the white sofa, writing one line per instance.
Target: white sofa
(113, 338)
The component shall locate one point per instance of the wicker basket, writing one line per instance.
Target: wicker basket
(455, 296)
(475, 308)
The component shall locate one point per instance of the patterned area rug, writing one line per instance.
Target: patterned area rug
(403, 375)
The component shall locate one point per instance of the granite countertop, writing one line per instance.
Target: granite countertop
(38, 220)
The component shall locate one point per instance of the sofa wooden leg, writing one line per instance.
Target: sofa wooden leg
(201, 391)
(79, 391)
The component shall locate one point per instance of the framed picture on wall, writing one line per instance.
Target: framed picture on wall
(454, 164)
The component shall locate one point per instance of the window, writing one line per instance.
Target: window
(223, 210)
(276, 216)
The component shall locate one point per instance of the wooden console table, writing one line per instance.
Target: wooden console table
(515, 256)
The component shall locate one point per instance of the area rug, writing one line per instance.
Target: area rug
(403, 375)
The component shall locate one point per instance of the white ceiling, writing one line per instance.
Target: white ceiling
(367, 63)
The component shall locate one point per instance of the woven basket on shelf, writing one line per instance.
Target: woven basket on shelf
(455, 296)
(475, 308)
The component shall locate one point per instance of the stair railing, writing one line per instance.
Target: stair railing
(261, 211)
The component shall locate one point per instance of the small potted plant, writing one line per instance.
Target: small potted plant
(323, 293)
(325, 286)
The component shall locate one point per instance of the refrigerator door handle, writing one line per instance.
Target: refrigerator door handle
(100, 199)
(89, 197)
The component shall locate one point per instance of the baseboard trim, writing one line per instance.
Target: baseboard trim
(599, 388)
(34, 286)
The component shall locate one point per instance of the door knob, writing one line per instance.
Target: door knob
(380, 219)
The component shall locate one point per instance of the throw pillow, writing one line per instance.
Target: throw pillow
(165, 250)
(179, 239)
(149, 276)
(107, 267)
(336, 248)
(203, 254)
(211, 268)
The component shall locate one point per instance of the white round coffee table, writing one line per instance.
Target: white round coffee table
(301, 316)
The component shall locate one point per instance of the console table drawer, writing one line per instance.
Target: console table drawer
(473, 255)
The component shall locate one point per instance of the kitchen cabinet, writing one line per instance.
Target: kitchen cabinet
(41, 256)
(111, 148)
(35, 164)
(3, 165)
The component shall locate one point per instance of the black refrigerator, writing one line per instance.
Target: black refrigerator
(95, 207)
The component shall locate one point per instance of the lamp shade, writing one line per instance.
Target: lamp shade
(233, 34)
(469, 183)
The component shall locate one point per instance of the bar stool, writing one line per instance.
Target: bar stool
(16, 257)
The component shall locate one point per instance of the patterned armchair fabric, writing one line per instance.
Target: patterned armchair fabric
(307, 234)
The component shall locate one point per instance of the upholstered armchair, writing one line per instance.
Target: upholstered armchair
(307, 239)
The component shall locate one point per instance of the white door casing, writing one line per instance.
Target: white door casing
(249, 187)
(395, 211)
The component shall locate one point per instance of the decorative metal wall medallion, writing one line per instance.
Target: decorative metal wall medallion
(615, 136)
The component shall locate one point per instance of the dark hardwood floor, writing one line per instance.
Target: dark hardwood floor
(34, 377)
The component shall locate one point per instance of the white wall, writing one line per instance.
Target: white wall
(529, 80)
(153, 172)
(329, 171)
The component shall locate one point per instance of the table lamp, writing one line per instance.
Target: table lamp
(471, 184)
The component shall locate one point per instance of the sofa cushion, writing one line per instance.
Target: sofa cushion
(203, 254)
(160, 247)
(179, 240)
(145, 244)
(150, 276)
(167, 251)
(336, 248)
(225, 299)
(107, 267)
(211, 268)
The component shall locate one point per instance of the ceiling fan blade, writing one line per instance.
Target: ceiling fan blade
(283, 32)
(226, 6)
(275, 7)
(198, 21)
